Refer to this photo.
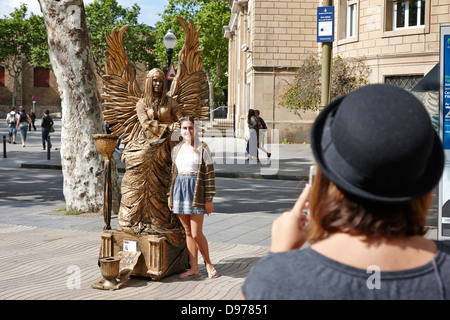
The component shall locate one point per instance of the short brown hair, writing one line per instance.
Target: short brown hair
(333, 210)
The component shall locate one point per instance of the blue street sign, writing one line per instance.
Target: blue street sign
(446, 86)
(325, 24)
(443, 228)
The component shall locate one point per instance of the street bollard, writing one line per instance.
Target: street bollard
(4, 146)
(48, 147)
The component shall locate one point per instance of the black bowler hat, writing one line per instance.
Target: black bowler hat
(378, 143)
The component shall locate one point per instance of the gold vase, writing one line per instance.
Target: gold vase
(109, 268)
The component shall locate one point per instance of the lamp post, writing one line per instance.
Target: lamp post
(169, 42)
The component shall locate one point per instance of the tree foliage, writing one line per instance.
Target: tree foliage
(104, 15)
(24, 38)
(304, 93)
(20, 35)
(211, 16)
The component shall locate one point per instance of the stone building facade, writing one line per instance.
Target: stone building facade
(268, 40)
(41, 83)
(37, 82)
(398, 39)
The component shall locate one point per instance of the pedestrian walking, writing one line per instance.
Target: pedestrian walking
(22, 125)
(191, 193)
(46, 124)
(32, 116)
(368, 207)
(261, 133)
(253, 140)
(11, 120)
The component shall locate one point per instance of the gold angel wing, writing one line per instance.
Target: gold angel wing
(121, 91)
(189, 88)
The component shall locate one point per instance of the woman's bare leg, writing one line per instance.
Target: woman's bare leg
(202, 243)
(191, 246)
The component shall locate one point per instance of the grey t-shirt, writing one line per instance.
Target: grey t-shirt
(306, 274)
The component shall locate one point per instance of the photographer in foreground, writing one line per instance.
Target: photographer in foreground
(378, 161)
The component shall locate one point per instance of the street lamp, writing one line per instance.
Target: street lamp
(169, 42)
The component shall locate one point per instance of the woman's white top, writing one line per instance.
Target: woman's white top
(187, 162)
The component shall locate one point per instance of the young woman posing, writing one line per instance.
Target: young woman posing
(191, 193)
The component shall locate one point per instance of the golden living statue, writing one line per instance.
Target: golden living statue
(145, 121)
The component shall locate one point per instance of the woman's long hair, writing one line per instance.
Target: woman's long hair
(251, 113)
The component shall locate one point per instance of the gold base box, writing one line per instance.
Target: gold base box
(157, 257)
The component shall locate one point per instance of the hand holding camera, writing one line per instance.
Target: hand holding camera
(289, 230)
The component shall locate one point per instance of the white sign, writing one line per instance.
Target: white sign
(325, 29)
(129, 245)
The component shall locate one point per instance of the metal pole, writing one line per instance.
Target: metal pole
(4, 146)
(169, 53)
(326, 66)
(326, 72)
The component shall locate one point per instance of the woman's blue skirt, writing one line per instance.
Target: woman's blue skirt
(183, 195)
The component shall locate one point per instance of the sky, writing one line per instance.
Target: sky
(149, 8)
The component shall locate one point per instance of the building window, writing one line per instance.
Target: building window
(41, 77)
(404, 82)
(2, 76)
(347, 21)
(408, 14)
(350, 23)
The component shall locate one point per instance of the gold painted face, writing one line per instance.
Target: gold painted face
(157, 83)
(156, 76)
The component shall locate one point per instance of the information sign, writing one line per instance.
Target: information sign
(444, 108)
(325, 24)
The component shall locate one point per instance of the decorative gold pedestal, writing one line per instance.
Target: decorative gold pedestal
(157, 257)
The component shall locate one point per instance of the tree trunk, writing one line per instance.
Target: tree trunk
(71, 60)
(211, 84)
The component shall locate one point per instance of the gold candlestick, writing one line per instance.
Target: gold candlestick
(105, 144)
